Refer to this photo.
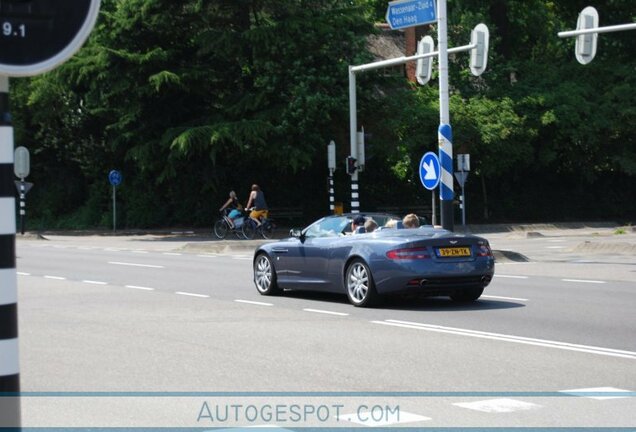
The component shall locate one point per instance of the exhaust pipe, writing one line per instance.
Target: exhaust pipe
(485, 280)
(423, 282)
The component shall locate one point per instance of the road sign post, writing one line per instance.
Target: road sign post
(430, 177)
(37, 36)
(115, 178)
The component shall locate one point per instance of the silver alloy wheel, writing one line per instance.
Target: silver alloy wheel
(358, 282)
(263, 274)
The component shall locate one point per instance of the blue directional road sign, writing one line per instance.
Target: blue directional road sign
(408, 13)
(430, 171)
(114, 177)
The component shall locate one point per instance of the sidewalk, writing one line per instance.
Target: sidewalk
(511, 242)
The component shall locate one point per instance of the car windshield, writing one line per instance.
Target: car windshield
(327, 227)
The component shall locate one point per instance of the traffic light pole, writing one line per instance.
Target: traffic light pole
(9, 364)
(353, 117)
(353, 137)
(445, 136)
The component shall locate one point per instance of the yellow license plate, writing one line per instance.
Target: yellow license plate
(454, 252)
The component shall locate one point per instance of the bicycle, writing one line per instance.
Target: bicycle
(265, 229)
(225, 225)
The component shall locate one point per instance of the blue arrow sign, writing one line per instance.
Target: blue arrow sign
(430, 172)
(408, 13)
(114, 177)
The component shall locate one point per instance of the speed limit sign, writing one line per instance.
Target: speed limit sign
(38, 35)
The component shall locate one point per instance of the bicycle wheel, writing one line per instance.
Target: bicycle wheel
(249, 228)
(220, 229)
(267, 229)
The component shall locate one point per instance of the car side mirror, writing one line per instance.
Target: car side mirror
(297, 233)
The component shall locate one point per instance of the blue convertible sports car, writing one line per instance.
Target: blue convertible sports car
(325, 256)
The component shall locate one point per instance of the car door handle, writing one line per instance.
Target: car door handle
(280, 250)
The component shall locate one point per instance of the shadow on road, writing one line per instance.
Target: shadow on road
(412, 303)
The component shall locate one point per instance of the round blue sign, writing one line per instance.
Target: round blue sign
(430, 172)
(114, 177)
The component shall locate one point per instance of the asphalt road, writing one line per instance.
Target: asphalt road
(178, 314)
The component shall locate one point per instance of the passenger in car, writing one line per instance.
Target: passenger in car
(411, 221)
(370, 225)
(391, 223)
(358, 221)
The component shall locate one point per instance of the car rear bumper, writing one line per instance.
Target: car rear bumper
(477, 274)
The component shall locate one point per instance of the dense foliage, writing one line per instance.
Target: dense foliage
(191, 99)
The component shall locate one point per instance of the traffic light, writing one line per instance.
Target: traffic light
(479, 55)
(424, 65)
(585, 47)
(351, 165)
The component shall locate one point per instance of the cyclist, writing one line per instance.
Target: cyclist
(234, 207)
(257, 199)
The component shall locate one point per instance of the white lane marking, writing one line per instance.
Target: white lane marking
(511, 338)
(511, 276)
(502, 405)
(54, 277)
(254, 302)
(139, 251)
(113, 250)
(172, 254)
(85, 248)
(326, 312)
(140, 288)
(61, 247)
(208, 256)
(192, 294)
(135, 265)
(504, 298)
(389, 418)
(584, 281)
(577, 392)
(556, 240)
(555, 247)
(516, 263)
(94, 282)
(23, 274)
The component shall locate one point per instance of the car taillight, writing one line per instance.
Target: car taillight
(408, 254)
(484, 251)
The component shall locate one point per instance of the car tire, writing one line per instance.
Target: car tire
(220, 229)
(468, 295)
(265, 276)
(359, 284)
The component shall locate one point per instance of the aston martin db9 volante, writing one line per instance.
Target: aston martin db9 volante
(325, 256)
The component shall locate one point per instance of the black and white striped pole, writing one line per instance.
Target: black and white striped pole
(37, 36)
(331, 164)
(9, 364)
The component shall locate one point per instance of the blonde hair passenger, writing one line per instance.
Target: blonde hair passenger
(411, 221)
